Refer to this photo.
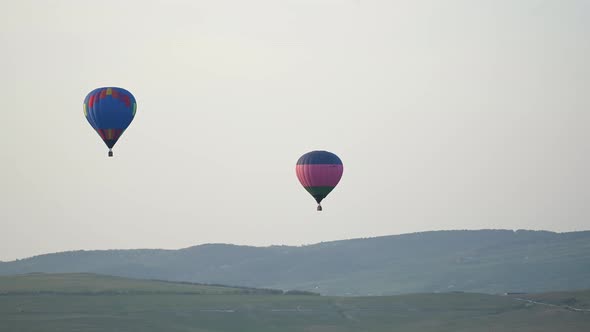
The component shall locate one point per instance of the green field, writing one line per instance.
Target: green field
(84, 302)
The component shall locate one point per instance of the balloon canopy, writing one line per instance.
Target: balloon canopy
(109, 111)
(319, 172)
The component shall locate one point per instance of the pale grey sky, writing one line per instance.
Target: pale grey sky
(447, 115)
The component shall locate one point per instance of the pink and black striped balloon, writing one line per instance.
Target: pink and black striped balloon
(319, 172)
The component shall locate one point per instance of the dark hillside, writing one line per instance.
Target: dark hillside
(488, 261)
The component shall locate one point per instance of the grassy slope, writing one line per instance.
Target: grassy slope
(86, 283)
(155, 310)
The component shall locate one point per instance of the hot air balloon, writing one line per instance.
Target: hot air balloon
(319, 172)
(110, 111)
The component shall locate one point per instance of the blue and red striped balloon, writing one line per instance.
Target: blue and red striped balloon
(319, 172)
(109, 111)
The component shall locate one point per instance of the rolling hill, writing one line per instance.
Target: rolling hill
(484, 261)
(86, 302)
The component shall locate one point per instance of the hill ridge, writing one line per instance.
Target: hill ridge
(212, 244)
(488, 261)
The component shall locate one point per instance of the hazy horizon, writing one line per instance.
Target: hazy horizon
(454, 115)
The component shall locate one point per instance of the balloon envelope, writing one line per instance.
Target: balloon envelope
(319, 172)
(109, 111)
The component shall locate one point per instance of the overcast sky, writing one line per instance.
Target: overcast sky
(446, 114)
